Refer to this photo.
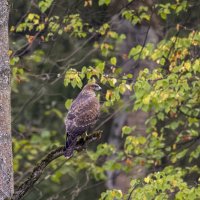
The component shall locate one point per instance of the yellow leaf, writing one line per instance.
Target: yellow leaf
(122, 88)
(164, 96)
(113, 81)
(146, 100)
(174, 183)
(36, 21)
(187, 66)
(108, 94)
(155, 134)
(30, 16)
(10, 52)
(12, 28)
(147, 179)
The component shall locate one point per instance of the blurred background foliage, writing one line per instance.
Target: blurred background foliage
(145, 55)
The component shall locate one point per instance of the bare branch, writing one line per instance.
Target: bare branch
(54, 154)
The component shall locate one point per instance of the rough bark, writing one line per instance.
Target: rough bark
(6, 169)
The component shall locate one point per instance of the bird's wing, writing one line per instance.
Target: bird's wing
(84, 112)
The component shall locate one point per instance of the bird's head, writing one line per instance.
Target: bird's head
(91, 88)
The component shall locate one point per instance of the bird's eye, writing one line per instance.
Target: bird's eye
(96, 87)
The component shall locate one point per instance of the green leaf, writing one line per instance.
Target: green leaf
(126, 130)
(44, 5)
(102, 2)
(113, 60)
(68, 103)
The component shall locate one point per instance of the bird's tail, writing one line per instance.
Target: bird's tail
(69, 146)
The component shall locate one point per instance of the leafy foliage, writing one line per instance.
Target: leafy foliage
(55, 51)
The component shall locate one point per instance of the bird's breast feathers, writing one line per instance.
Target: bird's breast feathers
(83, 113)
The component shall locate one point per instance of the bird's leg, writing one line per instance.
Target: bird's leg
(85, 135)
(84, 138)
(89, 130)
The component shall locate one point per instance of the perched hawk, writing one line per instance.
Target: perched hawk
(83, 114)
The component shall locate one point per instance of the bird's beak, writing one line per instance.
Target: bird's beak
(99, 88)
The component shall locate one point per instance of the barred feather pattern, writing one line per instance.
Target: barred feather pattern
(82, 115)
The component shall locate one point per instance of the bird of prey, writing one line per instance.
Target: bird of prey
(82, 115)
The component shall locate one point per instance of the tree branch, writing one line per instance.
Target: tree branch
(54, 154)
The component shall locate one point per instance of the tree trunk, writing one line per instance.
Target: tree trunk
(6, 169)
